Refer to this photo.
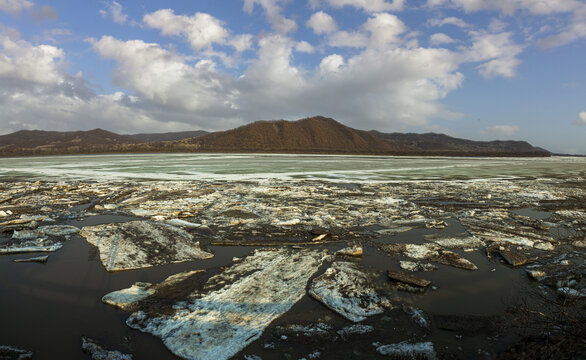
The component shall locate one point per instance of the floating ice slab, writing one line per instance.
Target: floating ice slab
(219, 324)
(30, 246)
(345, 289)
(37, 259)
(405, 350)
(97, 352)
(456, 242)
(127, 298)
(10, 352)
(142, 244)
(431, 252)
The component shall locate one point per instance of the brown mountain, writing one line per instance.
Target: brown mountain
(440, 144)
(312, 135)
(317, 135)
(170, 136)
(39, 142)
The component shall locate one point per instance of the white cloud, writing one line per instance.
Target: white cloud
(201, 29)
(502, 130)
(322, 23)
(576, 29)
(366, 5)
(508, 7)
(241, 43)
(273, 11)
(15, 6)
(304, 47)
(35, 93)
(348, 39)
(449, 21)
(498, 52)
(165, 78)
(440, 39)
(581, 119)
(21, 61)
(384, 29)
(114, 10)
(331, 64)
(381, 30)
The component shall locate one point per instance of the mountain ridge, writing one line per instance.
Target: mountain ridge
(316, 135)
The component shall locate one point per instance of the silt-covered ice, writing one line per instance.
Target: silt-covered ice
(346, 289)
(220, 323)
(142, 244)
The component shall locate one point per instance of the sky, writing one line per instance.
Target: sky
(477, 69)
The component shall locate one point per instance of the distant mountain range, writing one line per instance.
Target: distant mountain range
(316, 135)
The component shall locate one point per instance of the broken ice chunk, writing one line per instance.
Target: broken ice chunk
(345, 289)
(97, 352)
(142, 244)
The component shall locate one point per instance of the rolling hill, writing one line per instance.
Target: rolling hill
(315, 135)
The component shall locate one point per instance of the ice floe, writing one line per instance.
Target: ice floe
(406, 350)
(11, 352)
(30, 246)
(241, 303)
(37, 259)
(431, 252)
(347, 290)
(141, 244)
(97, 352)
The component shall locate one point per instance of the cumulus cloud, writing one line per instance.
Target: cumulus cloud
(384, 29)
(497, 52)
(379, 31)
(502, 130)
(304, 47)
(273, 12)
(508, 7)
(449, 21)
(331, 64)
(581, 119)
(352, 39)
(15, 6)
(201, 29)
(164, 77)
(36, 93)
(366, 5)
(322, 23)
(114, 11)
(21, 61)
(241, 42)
(440, 39)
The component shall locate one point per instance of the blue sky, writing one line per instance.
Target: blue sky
(478, 69)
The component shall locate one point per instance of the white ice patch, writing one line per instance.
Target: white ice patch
(126, 298)
(183, 224)
(345, 289)
(470, 242)
(223, 322)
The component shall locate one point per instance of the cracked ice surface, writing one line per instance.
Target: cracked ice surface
(222, 322)
(141, 244)
(345, 289)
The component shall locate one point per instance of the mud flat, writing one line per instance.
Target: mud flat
(296, 269)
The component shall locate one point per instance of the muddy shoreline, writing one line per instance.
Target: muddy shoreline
(492, 250)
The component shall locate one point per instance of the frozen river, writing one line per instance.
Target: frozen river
(285, 167)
